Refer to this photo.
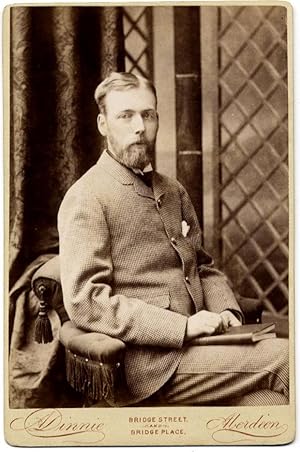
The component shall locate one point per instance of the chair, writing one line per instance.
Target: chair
(94, 361)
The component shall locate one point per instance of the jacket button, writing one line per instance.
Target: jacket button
(187, 279)
(173, 240)
(159, 202)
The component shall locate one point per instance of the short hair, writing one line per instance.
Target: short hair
(120, 81)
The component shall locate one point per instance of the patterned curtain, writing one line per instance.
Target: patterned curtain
(58, 56)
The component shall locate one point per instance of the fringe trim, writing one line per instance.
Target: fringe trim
(43, 330)
(94, 379)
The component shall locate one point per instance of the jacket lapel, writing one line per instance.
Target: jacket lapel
(156, 192)
(159, 188)
(142, 189)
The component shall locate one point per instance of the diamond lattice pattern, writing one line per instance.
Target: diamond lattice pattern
(253, 118)
(138, 40)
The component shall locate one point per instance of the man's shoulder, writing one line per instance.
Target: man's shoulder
(81, 195)
(82, 184)
(90, 182)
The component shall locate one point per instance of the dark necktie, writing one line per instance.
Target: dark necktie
(147, 178)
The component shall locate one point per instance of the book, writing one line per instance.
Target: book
(244, 334)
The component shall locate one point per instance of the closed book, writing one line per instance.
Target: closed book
(244, 334)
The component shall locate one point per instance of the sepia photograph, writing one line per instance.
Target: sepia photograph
(150, 248)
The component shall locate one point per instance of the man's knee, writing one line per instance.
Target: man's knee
(274, 349)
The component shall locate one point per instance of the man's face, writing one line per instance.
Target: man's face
(130, 125)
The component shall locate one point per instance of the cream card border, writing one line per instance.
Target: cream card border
(191, 425)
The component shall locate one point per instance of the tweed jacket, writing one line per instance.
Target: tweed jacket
(127, 269)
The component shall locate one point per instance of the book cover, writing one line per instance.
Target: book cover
(244, 334)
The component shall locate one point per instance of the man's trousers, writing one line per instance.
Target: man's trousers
(230, 375)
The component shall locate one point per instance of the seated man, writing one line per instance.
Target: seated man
(132, 267)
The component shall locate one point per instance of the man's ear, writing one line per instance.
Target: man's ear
(101, 123)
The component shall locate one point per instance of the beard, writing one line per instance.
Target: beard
(135, 155)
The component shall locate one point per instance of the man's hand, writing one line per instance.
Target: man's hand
(203, 323)
(229, 319)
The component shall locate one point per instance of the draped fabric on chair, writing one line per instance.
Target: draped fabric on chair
(58, 56)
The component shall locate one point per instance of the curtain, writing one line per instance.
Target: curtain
(58, 55)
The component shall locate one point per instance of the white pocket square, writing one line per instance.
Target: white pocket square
(185, 228)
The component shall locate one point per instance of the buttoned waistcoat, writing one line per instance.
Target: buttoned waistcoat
(128, 271)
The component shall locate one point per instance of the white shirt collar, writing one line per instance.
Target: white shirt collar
(147, 169)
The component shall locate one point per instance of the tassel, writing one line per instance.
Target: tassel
(95, 380)
(43, 330)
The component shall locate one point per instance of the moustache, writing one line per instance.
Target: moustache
(139, 142)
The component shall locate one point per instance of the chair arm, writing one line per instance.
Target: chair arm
(94, 363)
(50, 270)
(252, 309)
(46, 286)
(49, 291)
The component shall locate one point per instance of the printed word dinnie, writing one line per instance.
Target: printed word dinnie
(50, 423)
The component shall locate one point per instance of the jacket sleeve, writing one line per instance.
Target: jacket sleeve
(218, 295)
(87, 281)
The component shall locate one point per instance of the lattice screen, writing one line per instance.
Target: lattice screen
(253, 119)
(137, 24)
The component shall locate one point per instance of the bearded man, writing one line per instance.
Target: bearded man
(133, 267)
